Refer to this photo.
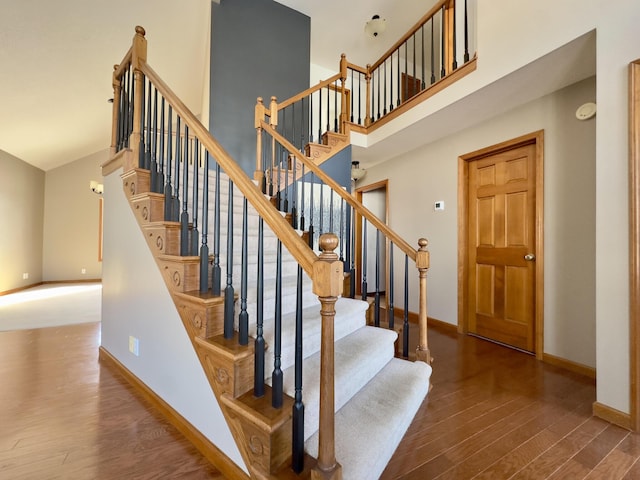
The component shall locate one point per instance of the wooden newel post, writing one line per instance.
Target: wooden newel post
(422, 263)
(368, 108)
(138, 57)
(327, 284)
(258, 175)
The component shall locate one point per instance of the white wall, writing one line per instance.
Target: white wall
(135, 301)
(430, 173)
(513, 33)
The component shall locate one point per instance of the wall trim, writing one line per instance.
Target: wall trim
(210, 451)
(431, 322)
(570, 365)
(612, 415)
(19, 289)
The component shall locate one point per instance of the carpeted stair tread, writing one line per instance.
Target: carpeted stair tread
(350, 316)
(358, 358)
(370, 427)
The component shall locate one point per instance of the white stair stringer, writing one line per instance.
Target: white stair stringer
(370, 426)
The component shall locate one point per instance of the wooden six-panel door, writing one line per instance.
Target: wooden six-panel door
(501, 247)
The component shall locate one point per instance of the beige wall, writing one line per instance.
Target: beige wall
(71, 218)
(429, 174)
(21, 211)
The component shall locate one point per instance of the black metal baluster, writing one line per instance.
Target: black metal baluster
(328, 114)
(258, 377)
(168, 188)
(359, 98)
(195, 234)
(331, 211)
(311, 118)
(229, 292)
(405, 84)
(413, 80)
(142, 119)
(276, 377)
(122, 111)
(160, 178)
(390, 314)
(466, 34)
(405, 321)
(399, 80)
(154, 143)
(353, 94)
(433, 68)
(287, 160)
(321, 209)
(204, 248)
(301, 226)
(294, 194)
(216, 273)
(335, 106)
(147, 150)
(385, 89)
(298, 407)
(390, 82)
(184, 215)
(132, 93)
(378, 70)
(175, 214)
(376, 310)
(311, 213)
(319, 115)
(364, 259)
(454, 64)
(373, 88)
(341, 230)
(422, 59)
(352, 261)
(243, 318)
(443, 59)
(279, 191)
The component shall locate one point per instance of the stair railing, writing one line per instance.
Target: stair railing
(164, 137)
(351, 223)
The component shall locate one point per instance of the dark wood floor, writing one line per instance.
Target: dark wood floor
(64, 416)
(493, 413)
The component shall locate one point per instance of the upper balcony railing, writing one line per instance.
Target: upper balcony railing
(434, 53)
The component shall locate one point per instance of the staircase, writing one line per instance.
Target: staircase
(269, 347)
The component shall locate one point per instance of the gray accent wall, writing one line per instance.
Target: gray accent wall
(259, 48)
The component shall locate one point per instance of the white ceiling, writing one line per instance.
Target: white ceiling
(56, 60)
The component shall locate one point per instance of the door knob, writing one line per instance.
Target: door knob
(529, 257)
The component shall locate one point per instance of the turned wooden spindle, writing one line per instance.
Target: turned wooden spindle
(327, 284)
(138, 57)
(422, 263)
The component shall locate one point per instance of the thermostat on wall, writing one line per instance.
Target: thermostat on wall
(438, 206)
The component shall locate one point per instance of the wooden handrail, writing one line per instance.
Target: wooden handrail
(361, 209)
(119, 69)
(308, 91)
(407, 35)
(292, 241)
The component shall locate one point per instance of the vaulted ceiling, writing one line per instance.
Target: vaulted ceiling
(56, 60)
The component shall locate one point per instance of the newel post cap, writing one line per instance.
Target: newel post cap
(328, 269)
(422, 255)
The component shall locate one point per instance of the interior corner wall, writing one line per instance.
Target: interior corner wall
(430, 173)
(71, 220)
(22, 214)
(259, 48)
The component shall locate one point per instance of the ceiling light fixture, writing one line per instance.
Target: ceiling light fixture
(375, 26)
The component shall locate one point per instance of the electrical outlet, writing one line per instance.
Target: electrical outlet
(25, 276)
(83, 271)
(438, 206)
(134, 345)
